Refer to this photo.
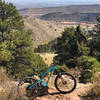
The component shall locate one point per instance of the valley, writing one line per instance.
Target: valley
(80, 13)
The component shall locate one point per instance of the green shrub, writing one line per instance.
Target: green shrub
(89, 66)
(37, 63)
(62, 68)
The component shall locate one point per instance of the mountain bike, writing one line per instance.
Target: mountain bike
(30, 87)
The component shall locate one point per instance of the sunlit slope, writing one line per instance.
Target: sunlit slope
(43, 31)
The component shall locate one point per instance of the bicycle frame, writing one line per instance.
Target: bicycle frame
(53, 68)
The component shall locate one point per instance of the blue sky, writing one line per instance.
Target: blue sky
(52, 2)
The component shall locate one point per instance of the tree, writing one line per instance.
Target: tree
(46, 48)
(16, 45)
(95, 41)
(70, 46)
(10, 19)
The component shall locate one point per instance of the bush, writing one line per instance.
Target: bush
(62, 68)
(96, 83)
(89, 66)
(95, 91)
(37, 63)
(46, 48)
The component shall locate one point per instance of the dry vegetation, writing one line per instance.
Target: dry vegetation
(47, 57)
(96, 87)
(7, 87)
(43, 31)
(8, 90)
(3, 75)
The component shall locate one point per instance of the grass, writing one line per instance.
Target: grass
(7, 87)
(94, 94)
(47, 57)
(3, 75)
(96, 88)
(8, 94)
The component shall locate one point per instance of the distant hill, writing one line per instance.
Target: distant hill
(65, 9)
(43, 31)
(68, 13)
(76, 17)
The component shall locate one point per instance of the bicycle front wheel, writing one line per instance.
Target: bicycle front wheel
(65, 83)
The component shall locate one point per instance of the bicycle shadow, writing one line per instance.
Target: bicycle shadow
(53, 93)
(49, 93)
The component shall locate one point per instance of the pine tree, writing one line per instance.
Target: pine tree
(70, 46)
(16, 45)
(10, 19)
(95, 42)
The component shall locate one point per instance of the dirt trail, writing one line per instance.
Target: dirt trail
(78, 94)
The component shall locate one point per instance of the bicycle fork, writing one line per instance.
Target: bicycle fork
(62, 79)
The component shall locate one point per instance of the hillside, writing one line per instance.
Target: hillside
(75, 17)
(65, 9)
(74, 12)
(43, 31)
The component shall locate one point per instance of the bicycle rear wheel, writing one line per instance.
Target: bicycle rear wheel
(65, 83)
(23, 89)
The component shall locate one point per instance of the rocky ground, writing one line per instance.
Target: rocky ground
(8, 92)
(79, 94)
